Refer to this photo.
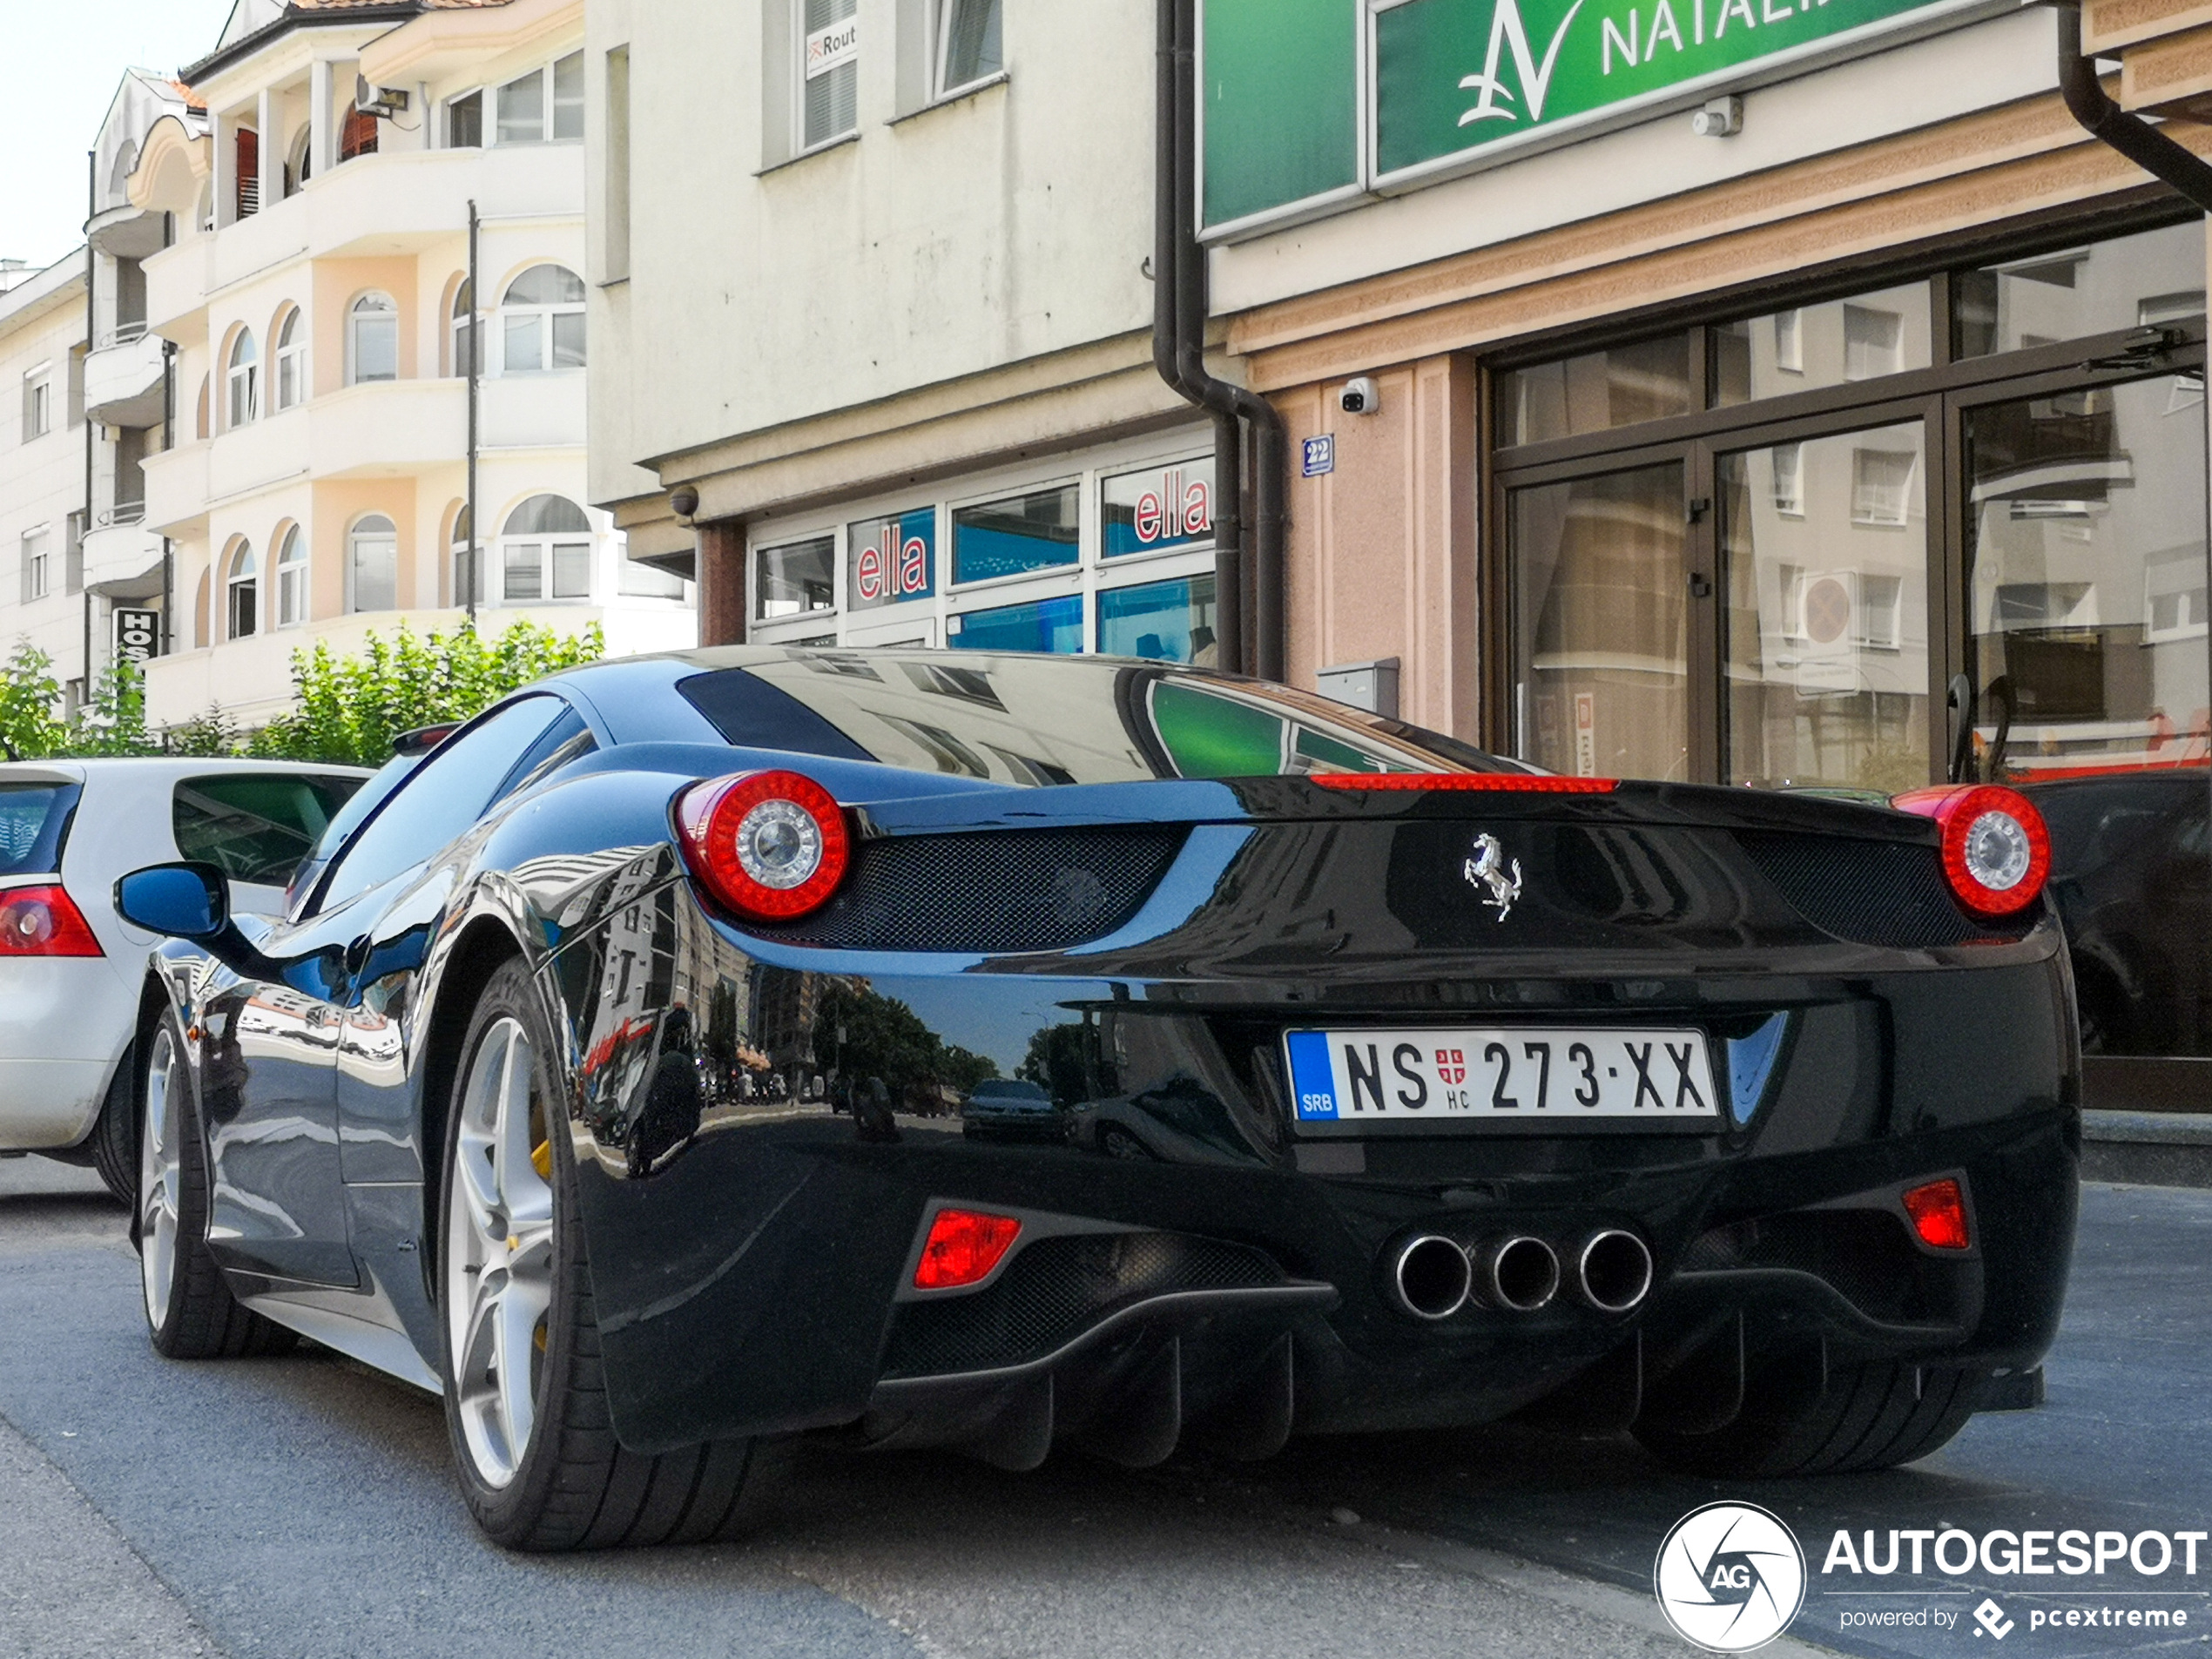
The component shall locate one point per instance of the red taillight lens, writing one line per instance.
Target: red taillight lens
(770, 846)
(963, 1248)
(1508, 783)
(43, 921)
(1996, 851)
(1938, 1215)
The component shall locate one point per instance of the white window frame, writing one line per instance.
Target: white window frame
(354, 318)
(542, 548)
(457, 320)
(38, 563)
(291, 582)
(801, 145)
(941, 51)
(235, 580)
(38, 402)
(549, 107)
(354, 533)
(292, 387)
(543, 315)
(241, 382)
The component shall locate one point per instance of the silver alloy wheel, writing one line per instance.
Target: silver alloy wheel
(160, 1172)
(499, 1254)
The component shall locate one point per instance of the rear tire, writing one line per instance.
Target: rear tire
(537, 1455)
(1867, 1417)
(191, 1313)
(113, 1142)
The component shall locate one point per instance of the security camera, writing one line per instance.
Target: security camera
(1722, 117)
(1360, 396)
(685, 501)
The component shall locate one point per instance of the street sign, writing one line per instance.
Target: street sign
(1320, 454)
(137, 635)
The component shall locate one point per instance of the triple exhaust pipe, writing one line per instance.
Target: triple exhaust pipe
(1432, 1278)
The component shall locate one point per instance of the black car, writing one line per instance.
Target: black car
(596, 1080)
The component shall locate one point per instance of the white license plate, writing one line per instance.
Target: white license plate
(1504, 1076)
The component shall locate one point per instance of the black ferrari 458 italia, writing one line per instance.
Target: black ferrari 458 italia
(935, 1049)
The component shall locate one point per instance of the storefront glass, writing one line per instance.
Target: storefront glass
(1047, 624)
(1022, 533)
(1825, 548)
(2154, 279)
(1598, 390)
(1809, 346)
(1168, 621)
(1601, 646)
(796, 578)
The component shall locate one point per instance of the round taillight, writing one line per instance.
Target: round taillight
(770, 846)
(1996, 851)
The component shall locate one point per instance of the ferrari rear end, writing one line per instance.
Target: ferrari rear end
(1385, 1100)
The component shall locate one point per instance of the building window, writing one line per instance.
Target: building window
(464, 305)
(545, 106)
(829, 69)
(1882, 486)
(38, 565)
(37, 404)
(541, 321)
(371, 340)
(240, 591)
(1043, 625)
(244, 378)
(1872, 342)
(358, 136)
(968, 43)
(299, 161)
(246, 158)
(373, 565)
(465, 122)
(1790, 479)
(1167, 622)
(545, 552)
(292, 580)
(291, 360)
(795, 578)
(468, 571)
(1022, 533)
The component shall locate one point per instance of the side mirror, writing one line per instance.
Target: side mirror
(179, 900)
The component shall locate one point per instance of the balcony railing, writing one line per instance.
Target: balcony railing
(123, 514)
(121, 334)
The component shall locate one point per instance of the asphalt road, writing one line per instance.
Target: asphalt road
(303, 1507)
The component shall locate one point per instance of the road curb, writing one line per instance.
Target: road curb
(2147, 1148)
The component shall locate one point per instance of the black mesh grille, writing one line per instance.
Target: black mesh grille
(1864, 1254)
(1877, 892)
(989, 890)
(1058, 1288)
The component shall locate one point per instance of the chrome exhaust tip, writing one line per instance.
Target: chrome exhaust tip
(1430, 1278)
(1613, 1271)
(1520, 1274)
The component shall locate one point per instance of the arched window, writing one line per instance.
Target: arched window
(244, 378)
(241, 588)
(541, 321)
(373, 565)
(545, 552)
(358, 137)
(291, 360)
(292, 580)
(372, 340)
(126, 162)
(203, 213)
(199, 635)
(299, 161)
(201, 430)
(461, 562)
(464, 298)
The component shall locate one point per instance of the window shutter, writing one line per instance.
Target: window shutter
(249, 173)
(358, 138)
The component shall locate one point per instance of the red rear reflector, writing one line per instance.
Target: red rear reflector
(43, 921)
(1939, 1213)
(1509, 783)
(963, 1248)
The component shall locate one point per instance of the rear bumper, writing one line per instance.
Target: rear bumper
(49, 1105)
(64, 1025)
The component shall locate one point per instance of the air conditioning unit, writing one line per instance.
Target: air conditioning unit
(383, 102)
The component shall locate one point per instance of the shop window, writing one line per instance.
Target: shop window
(373, 565)
(545, 552)
(891, 561)
(829, 69)
(1170, 622)
(1159, 509)
(292, 580)
(243, 376)
(1036, 531)
(291, 360)
(241, 595)
(371, 340)
(1620, 385)
(795, 578)
(1043, 625)
(2153, 278)
(969, 47)
(1810, 346)
(545, 106)
(541, 321)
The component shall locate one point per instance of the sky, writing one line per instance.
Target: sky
(68, 57)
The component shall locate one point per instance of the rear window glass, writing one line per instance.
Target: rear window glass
(34, 821)
(257, 826)
(1023, 720)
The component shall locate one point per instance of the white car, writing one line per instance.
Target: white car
(72, 972)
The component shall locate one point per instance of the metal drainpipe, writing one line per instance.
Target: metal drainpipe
(1178, 352)
(475, 384)
(2131, 135)
(91, 339)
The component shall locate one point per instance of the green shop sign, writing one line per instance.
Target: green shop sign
(1308, 103)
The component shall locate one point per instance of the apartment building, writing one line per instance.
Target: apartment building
(43, 458)
(881, 327)
(315, 299)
